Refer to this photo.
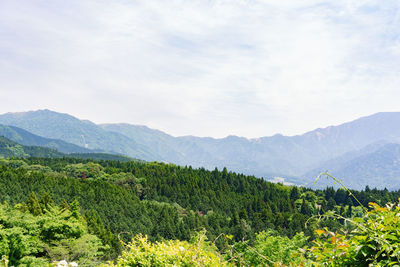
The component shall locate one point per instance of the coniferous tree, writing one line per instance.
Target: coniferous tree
(75, 209)
(305, 209)
(294, 193)
(331, 204)
(46, 201)
(33, 205)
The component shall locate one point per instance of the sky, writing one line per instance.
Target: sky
(202, 67)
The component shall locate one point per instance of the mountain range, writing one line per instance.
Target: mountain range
(26, 138)
(347, 150)
(9, 148)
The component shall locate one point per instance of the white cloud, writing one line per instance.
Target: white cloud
(214, 67)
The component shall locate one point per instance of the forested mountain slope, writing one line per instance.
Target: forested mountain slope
(278, 155)
(24, 137)
(10, 148)
(54, 125)
(172, 202)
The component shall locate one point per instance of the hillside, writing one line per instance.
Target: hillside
(161, 144)
(162, 201)
(376, 166)
(268, 157)
(10, 148)
(24, 137)
(64, 127)
(276, 154)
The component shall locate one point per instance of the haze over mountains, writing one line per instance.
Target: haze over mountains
(26, 138)
(364, 151)
(9, 148)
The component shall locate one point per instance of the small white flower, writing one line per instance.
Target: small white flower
(181, 248)
(73, 264)
(62, 263)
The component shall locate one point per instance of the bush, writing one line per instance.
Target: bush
(53, 234)
(375, 241)
(270, 249)
(198, 252)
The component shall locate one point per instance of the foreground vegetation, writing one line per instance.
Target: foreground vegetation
(374, 241)
(134, 213)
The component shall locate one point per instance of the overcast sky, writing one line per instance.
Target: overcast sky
(202, 67)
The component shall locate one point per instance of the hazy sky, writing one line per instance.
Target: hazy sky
(202, 67)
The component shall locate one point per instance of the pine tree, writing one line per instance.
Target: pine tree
(294, 193)
(243, 214)
(46, 201)
(305, 209)
(75, 209)
(349, 211)
(33, 205)
(331, 204)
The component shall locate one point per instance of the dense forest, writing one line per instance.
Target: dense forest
(9, 148)
(109, 206)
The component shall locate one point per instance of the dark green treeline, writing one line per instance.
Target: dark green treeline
(169, 201)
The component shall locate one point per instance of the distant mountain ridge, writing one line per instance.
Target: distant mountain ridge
(83, 133)
(24, 137)
(9, 148)
(278, 155)
(379, 168)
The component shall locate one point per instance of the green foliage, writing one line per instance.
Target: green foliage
(89, 169)
(9, 148)
(33, 205)
(33, 239)
(100, 156)
(168, 202)
(47, 148)
(198, 252)
(270, 249)
(374, 241)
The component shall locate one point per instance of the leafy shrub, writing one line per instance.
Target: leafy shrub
(198, 252)
(55, 233)
(374, 241)
(270, 249)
